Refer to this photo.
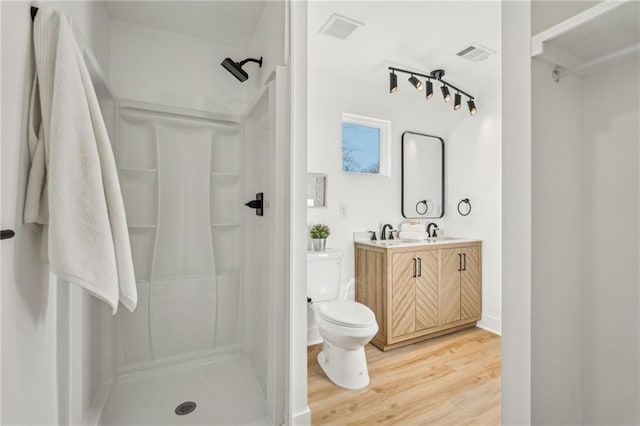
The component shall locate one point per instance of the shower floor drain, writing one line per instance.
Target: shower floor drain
(185, 408)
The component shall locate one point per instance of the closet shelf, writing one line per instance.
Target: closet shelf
(601, 36)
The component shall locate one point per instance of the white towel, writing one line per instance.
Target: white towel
(408, 227)
(408, 235)
(73, 193)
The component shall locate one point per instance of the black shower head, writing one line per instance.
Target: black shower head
(235, 68)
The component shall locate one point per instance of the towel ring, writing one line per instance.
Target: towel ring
(423, 207)
(464, 211)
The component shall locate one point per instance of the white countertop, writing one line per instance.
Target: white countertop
(415, 243)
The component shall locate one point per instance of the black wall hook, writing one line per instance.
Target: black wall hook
(6, 234)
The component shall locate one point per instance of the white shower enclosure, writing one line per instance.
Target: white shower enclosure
(210, 325)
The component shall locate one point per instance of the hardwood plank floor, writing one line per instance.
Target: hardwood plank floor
(449, 380)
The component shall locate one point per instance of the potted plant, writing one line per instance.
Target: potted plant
(319, 234)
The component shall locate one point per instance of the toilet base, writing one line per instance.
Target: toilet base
(346, 368)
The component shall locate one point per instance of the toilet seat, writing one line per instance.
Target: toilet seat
(346, 313)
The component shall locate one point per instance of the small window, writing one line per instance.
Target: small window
(365, 145)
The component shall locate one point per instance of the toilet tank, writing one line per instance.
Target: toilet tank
(323, 274)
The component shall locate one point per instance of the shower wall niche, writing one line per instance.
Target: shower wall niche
(180, 173)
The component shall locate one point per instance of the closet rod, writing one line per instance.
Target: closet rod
(628, 53)
(34, 12)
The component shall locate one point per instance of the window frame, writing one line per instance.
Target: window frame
(384, 127)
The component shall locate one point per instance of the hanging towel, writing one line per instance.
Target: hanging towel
(73, 193)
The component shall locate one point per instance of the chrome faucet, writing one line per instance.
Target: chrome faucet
(432, 230)
(383, 233)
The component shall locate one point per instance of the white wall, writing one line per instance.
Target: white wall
(516, 213)
(472, 169)
(556, 256)
(609, 148)
(585, 332)
(267, 41)
(170, 69)
(30, 345)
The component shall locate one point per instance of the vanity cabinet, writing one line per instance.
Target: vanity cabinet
(419, 292)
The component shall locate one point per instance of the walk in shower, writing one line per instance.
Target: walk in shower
(209, 328)
(202, 331)
(207, 342)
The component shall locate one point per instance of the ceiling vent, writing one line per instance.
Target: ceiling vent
(340, 26)
(474, 52)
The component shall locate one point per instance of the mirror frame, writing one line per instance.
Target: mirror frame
(403, 173)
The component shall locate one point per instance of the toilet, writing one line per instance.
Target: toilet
(345, 325)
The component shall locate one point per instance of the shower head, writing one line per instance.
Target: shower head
(235, 68)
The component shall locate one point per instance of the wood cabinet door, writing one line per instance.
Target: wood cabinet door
(427, 290)
(403, 294)
(449, 286)
(470, 288)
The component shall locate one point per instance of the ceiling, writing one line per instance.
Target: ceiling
(230, 23)
(419, 36)
(416, 35)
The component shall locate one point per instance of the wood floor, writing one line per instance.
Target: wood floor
(449, 380)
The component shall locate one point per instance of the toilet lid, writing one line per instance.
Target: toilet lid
(347, 313)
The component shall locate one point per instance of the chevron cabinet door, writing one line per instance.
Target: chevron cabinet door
(470, 288)
(403, 294)
(449, 286)
(427, 290)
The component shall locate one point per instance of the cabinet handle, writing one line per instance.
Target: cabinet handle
(459, 262)
(415, 268)
(419, 266)
(464, 257)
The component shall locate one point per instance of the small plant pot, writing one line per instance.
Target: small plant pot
(319, 244)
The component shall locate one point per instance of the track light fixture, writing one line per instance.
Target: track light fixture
(428, 85)
(445, 93)
(472, 107)
(393, 82)
(415, 82)
(429, 89)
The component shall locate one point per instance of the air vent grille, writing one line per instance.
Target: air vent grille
(340, 26)
(474, 52)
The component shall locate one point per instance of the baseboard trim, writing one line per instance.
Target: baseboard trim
(492, 324)
(313, 336)
(302, 418)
